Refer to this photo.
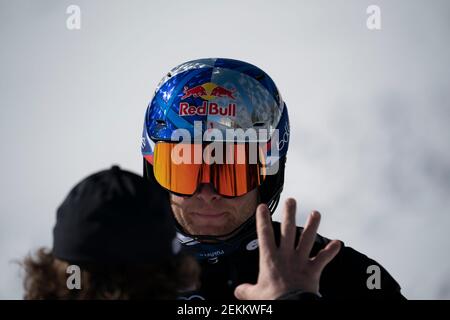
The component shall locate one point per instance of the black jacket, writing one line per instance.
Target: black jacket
(345, 277)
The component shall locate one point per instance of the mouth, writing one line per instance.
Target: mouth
(212, 216)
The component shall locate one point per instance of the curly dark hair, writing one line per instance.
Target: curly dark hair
(45, 278)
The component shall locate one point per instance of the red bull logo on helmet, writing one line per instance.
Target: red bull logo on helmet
(207, 91)
(222, 92)
(207, 108)
(195, 92)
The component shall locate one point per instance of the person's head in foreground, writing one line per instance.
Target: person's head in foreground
(216, 136)
(116, 227)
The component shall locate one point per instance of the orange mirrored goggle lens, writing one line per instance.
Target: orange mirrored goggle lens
(181, 168)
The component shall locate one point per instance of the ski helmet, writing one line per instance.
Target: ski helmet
(217, 94)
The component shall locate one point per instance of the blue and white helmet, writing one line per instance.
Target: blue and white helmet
(221, 94)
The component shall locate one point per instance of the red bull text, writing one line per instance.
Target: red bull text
(207, 108)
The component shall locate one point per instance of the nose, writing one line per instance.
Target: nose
(207, 193)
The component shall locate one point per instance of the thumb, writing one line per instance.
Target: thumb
(243, 291)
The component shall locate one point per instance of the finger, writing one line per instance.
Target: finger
(244, 291)
(266, 240)
(326, 255)
(288, 227)
(308, 235)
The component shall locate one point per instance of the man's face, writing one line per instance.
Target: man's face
(208, 213)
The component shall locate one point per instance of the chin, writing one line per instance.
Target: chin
(210, 230)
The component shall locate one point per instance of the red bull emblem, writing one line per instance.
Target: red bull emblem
(207, 108)
(222, 92)
(207, 91)
(197, 91)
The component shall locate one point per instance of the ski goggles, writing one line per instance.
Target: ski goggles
(233, 169)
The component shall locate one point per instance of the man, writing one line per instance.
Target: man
(102, 228)
(194, 108)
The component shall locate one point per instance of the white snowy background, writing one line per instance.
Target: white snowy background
(370, 113)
